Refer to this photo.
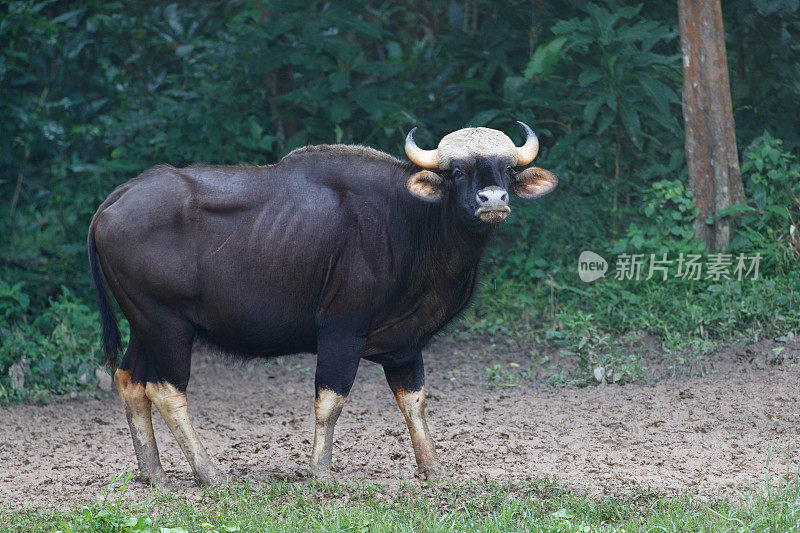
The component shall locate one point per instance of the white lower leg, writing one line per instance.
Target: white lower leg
(412, 405)
(172, 405)
(138, 412)
(327, 408)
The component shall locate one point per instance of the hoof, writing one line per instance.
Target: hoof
(434, 472)
(210, 477)
(158, 479)
(320, 473)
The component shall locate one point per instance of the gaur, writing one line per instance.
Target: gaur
(342, 251)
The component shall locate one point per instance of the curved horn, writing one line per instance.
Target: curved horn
(418, 156)
(527, 152)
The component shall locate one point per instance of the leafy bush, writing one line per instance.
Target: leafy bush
(57, 352)
(600, 75)
(769, 222)
(668, 212)
(13, 301)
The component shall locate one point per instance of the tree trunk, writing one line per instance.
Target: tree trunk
(708, 118)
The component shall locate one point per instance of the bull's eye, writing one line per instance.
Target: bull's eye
(510, 171)
(457, 173)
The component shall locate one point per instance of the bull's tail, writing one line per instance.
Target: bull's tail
(112, 342)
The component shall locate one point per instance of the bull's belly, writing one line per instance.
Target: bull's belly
(273, 338)
(265, 345)
(261, 332)
(267, 328)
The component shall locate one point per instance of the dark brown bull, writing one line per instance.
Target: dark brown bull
(324, 252)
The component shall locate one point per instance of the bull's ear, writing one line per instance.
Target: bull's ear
(534, 182)
(426, 185)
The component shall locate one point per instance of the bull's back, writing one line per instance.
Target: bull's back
(242, 254)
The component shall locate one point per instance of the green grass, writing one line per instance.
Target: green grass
(473, 506)
(594, 324)
(566, 306)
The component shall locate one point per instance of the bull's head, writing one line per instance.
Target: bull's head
(475, 170)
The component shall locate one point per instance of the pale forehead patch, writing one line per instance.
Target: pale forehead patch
(475, 142)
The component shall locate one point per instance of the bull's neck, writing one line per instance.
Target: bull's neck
(448, 247)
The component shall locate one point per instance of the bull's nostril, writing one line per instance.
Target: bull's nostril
(492, 196)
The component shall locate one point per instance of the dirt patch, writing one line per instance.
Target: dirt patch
(709, 436)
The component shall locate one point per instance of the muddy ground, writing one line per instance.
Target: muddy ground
(706, 435)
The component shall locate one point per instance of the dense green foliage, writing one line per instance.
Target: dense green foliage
(94, 92)
(57, 351)
(471, 506)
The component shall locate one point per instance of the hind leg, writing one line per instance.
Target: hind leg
(172, 404)
(138, 412)
(167, 377)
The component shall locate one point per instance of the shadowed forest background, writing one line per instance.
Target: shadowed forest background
(92, 93)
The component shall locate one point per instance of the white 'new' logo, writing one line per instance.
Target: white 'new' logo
(591, 266)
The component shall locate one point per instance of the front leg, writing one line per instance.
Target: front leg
(337, 363)
(408, 385)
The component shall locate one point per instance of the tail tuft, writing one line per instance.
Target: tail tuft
(112, 342)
